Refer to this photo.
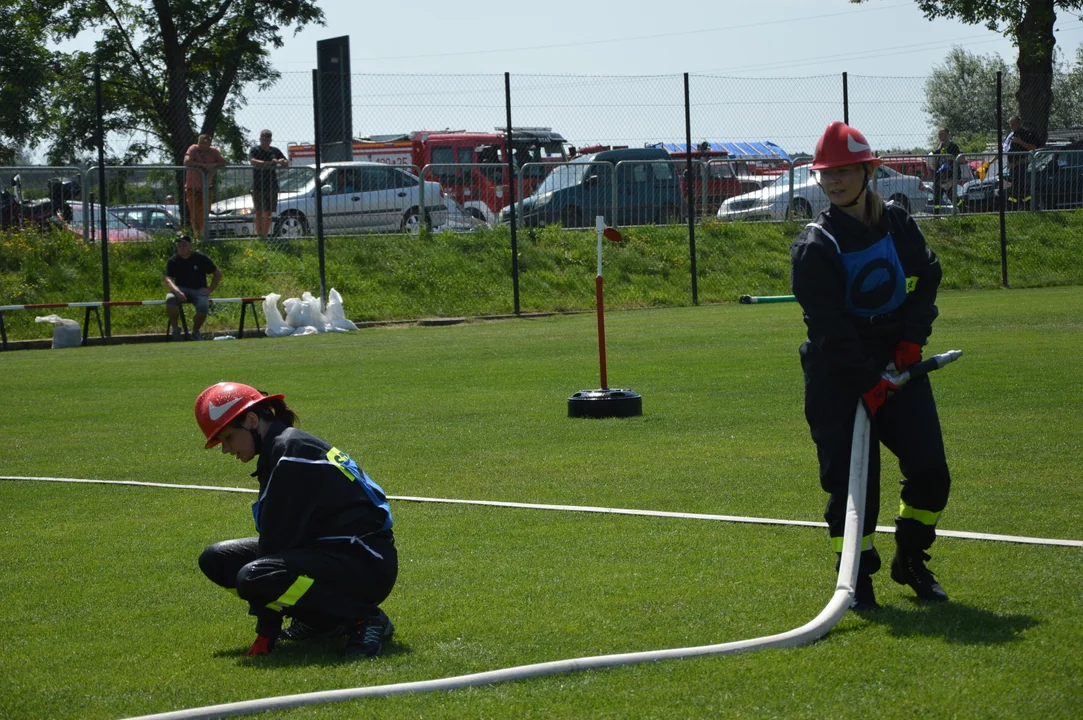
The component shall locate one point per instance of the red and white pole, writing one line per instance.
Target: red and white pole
(606, 402)
(599, 225)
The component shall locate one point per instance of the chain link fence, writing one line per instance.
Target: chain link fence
(436, 152)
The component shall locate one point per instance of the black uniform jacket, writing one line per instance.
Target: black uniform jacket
(847, 276)
(310, 492)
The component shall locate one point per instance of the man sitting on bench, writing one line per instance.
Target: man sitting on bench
(186, 277)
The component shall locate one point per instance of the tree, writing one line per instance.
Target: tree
(1029, 24)
(26, 69)
(1067, 110)
(960, 95)
(170, 68)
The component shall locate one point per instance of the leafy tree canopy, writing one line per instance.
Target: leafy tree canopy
(1029, 24)
(170, 68)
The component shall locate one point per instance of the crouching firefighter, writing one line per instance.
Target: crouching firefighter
(325, 553)
(867, 284)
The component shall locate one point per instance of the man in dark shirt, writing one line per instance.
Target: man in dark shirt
(1021, 139)
(265, 160)
(186, 277)
(944, 169)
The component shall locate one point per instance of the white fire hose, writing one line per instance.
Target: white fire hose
(807, 633)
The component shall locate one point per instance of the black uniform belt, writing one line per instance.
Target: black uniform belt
(875, 320)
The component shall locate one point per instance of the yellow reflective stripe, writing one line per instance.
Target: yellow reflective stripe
(338, 459)
(911, 283)
(292, 595)
(866, 543)
(925, 517)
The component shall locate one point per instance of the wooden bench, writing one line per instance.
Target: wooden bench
(95, 307)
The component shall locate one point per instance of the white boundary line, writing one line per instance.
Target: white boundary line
(962, 534)
(809, 632)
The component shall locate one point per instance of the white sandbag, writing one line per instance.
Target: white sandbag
(276, 326)
(315, 312)
(298, 313)
(305, 330)
(336, 315)
(66, 333)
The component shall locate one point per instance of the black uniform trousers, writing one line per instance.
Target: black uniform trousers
(323, 584)
(908, 425)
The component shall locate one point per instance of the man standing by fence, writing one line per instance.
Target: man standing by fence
(201, 156)
(265, 160)
(944, 180)
(1021, 139)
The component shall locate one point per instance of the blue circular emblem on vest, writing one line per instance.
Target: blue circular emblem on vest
(875, 280)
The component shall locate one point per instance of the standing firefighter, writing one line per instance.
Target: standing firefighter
(867, 286)
(325, 554)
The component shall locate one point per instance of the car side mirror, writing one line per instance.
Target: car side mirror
(170, 225)
(326, 190)
(591, 180)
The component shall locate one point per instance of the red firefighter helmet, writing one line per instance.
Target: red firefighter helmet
(842, 145)
(220, 404)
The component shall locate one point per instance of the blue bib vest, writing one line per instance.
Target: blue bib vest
(875, 280)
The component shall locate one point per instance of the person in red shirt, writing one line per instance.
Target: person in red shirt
(200, 158)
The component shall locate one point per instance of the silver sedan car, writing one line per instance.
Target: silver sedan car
(357, 197)
(774, 202)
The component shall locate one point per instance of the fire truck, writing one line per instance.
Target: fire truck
(472, 167)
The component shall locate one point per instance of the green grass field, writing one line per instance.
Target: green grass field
(106, 615)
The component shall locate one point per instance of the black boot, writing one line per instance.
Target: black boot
(864, 596)
(909, 569)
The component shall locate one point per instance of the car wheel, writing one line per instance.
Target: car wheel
(801, 209)
(411, 222)
(291, 225)
(571, 217)
(902, 201)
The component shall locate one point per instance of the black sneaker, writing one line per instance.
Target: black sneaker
(369, 636)
(299, 630)
(864, 596)
(910, 570)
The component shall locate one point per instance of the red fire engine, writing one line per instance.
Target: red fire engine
(472, 167)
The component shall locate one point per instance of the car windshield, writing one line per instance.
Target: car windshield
(298, 179)
(114, 223)
(1042, 160)
(565, 175)
(800, 177)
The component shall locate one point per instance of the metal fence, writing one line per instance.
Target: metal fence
(470, 180)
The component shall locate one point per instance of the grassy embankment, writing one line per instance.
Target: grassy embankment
(446, 275)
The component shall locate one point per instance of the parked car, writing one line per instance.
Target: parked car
(117, 229)
(773, 201)
(963, 173)
(357, 197)
(150, 218)
(459, 219)
(642, 183)
(1057, 175)
(726, 169)
(981, 194)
